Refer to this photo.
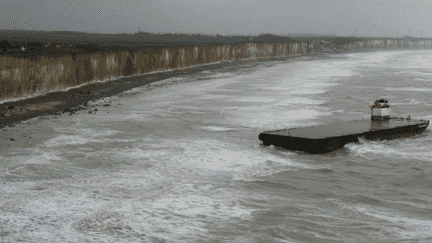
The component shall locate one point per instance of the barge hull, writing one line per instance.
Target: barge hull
(323, 139)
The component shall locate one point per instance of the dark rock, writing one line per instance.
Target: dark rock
(106, 105)
(12, 139)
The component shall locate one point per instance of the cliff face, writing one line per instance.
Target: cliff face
(21, 77)
(393, 44)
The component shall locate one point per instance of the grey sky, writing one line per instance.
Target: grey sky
(341, 17)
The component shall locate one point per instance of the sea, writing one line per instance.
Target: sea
(179, 160)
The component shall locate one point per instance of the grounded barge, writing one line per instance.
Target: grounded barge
(327, 138)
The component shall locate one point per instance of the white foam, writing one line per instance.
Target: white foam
(11, 189)
(221, 75)
(416, 228)
(407, 149)
(78, 135)
(193, 206)
(47, 217)
(299, 101)
(412, 89)
(216, 128)
(282, 117)
(33, 156)
(422, 79)
(255, 99)
(105, 100)
(65, 140)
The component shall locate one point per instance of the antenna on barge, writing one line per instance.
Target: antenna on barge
(380, 111)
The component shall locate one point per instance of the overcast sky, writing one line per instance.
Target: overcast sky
(383, 18)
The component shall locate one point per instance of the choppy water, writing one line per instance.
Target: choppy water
(181, 162)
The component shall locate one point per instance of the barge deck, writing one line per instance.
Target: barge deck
(327, 138)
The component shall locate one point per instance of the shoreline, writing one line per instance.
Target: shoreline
(74, 99)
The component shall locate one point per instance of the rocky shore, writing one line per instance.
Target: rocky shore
(69, 102)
